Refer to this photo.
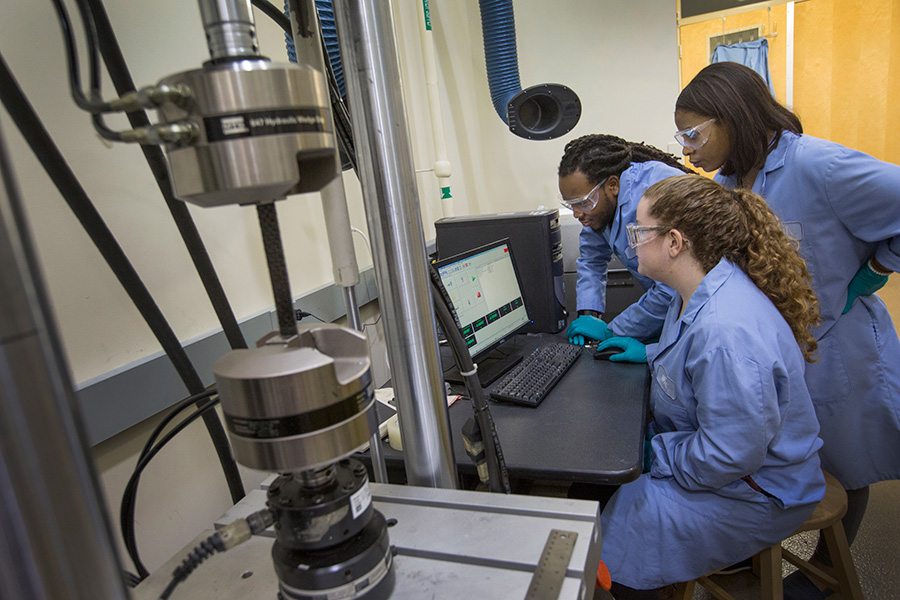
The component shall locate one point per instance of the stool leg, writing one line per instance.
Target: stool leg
(685, 590)
(844, 570)
(770, 573)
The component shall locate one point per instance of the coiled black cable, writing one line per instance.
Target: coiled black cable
(129, 495)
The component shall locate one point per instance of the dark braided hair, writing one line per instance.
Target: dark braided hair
(599, 156)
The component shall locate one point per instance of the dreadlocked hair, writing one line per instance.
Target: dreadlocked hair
(599, 156)
(740, 227)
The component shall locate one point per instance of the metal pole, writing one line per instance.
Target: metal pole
(55, 539)
(365, 33)
(353, 316)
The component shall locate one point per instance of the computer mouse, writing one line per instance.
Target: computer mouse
(606, 353)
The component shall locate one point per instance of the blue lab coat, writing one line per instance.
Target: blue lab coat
(643, 319)
(844, 206)
(729, 401)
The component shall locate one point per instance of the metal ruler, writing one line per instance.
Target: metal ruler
(550, 572)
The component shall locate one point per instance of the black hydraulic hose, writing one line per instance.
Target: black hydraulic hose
(72, 64)
(123, 82)
(497, 475)
(121, 78)
(274, 13)
(69, 187)
(95, 104)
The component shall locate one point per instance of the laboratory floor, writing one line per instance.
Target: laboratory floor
(876, 553)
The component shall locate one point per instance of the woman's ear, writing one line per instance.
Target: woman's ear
(676, 243)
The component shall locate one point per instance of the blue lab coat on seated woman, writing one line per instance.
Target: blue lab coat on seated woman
(734, 466)
(729, 401)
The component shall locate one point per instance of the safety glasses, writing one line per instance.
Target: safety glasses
(641, 234)
(694, 137)
(584, 203)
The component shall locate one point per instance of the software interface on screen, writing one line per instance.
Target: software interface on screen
(486, 295)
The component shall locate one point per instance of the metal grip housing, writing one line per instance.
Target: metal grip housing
(264, 132)
(299, 404)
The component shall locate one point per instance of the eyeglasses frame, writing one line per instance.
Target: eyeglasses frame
(632, 229)
(682, 139)
(572, 204)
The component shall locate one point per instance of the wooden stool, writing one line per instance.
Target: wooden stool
(767, 563)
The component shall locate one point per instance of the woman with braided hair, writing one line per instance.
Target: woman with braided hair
(602, 178)
(734, 465)
(843, 207)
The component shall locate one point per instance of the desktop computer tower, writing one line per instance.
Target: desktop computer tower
(536, 243)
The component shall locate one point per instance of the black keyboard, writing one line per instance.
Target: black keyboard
(531, 380)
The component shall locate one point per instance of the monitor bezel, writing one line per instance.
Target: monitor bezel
(442, 262)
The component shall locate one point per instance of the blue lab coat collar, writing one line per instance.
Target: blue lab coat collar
(707, 288)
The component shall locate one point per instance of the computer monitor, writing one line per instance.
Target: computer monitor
(484, 287)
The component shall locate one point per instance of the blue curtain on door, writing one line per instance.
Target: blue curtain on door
(753, 54)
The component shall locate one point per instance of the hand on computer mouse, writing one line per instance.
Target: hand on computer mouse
(586, 327)
(631, 349)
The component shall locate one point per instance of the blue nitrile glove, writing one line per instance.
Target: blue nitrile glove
(865, 283)
(632, 350)
(589, 327)
(648, 452)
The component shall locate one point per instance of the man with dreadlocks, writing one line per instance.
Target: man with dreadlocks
(602, 178)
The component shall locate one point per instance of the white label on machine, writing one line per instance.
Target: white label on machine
(361, 500)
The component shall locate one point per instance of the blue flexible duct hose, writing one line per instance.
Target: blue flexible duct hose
(329, 33)
(498, 27)
(288, 40)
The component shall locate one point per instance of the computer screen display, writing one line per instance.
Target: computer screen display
(484, 288)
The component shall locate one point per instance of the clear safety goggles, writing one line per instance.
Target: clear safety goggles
(584, 203)
(694, 137)
(641, 234)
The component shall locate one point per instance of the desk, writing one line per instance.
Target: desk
(589, 429)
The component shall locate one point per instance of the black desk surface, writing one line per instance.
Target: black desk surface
(590, 428)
